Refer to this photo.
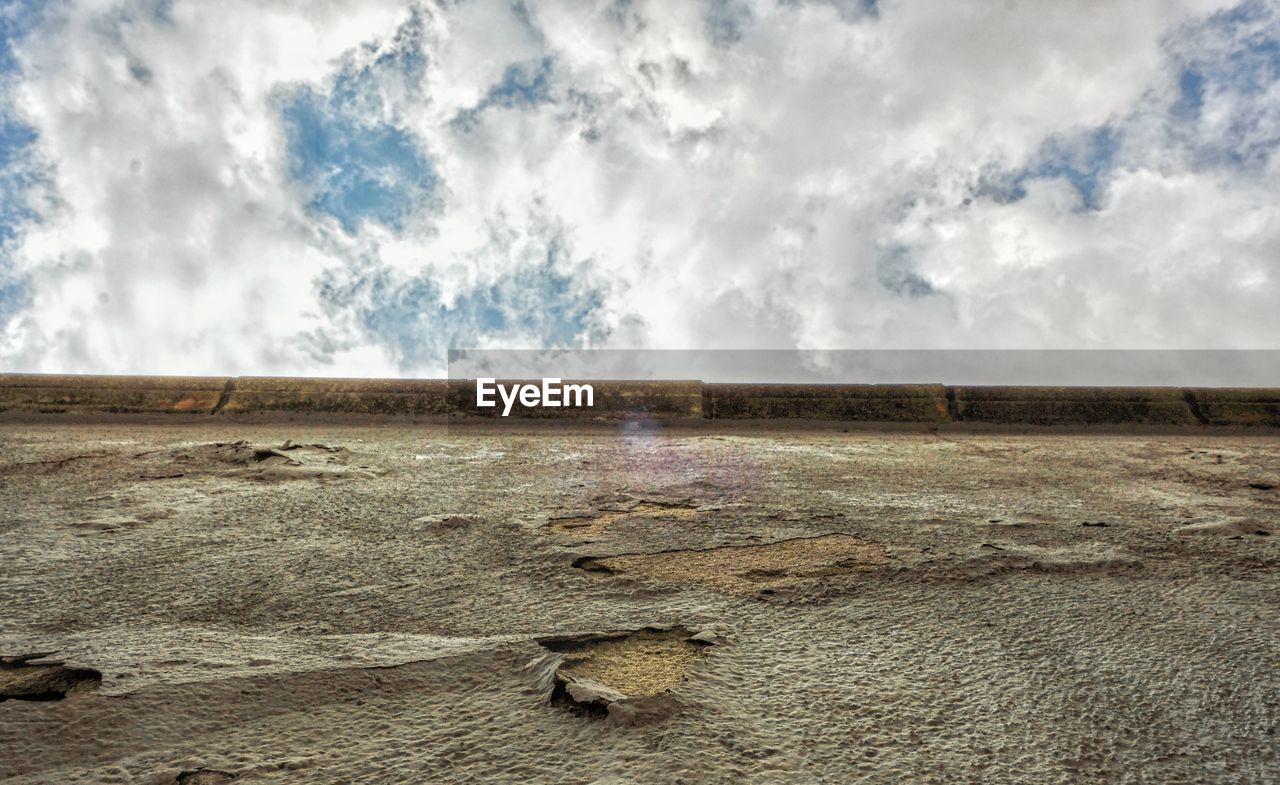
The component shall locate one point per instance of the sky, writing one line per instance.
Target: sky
(351, 188)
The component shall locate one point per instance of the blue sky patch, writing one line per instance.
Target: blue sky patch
(1190, 94)
(1083, 159)
(895, 273)
(18, 171)
(411, 319)
(522, 84)
(725, 20)
(17, 176)
(13, 296)
(357, 168)
(856, 10)
(1232, 59)
(1250, 30)
(17, 19)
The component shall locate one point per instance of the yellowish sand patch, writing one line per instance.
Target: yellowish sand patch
(750, 568)
(643, 663)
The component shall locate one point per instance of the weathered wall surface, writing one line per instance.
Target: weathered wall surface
(924, 404)
(56, 393)
(920, 403)
(1072, 405)
(1235, 406)
(264, 394)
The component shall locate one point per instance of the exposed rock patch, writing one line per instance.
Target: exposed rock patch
(288, 461)
(21, 678)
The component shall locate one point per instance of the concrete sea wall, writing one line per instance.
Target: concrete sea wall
(924, 404)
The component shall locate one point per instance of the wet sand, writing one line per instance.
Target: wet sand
(320, 603)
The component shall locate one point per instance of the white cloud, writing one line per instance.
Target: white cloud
(776, 174)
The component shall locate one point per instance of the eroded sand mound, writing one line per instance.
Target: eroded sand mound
(241, 459)
(1235, 529)
(204, 777)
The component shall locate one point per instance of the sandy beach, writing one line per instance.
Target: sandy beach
(322, 603)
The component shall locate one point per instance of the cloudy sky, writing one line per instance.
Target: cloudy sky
(338, 187)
